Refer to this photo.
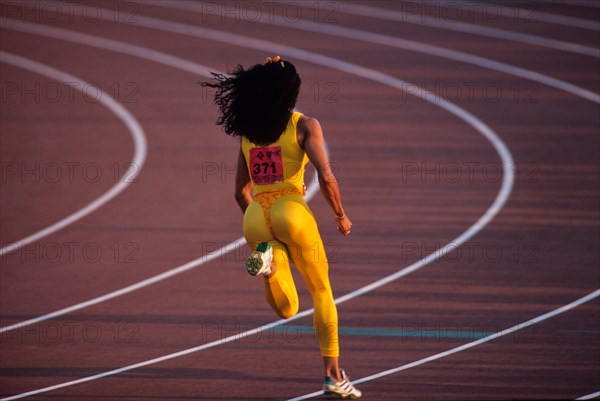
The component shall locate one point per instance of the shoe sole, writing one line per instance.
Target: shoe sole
(254, 264)
(347, 397)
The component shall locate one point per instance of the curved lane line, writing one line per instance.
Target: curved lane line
(184, 352)
(474, 29)
(590, 396)
(270, 47)
(578, 3)
(106, 44)
(158, 57)
(523, 14)
(328, 62)
(356, 34)
(100, 299)
(136, 131)
(472, 344)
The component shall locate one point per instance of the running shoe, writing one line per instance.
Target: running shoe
(343, 389)
(260, 260)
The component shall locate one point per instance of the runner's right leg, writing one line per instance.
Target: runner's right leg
(280, 291)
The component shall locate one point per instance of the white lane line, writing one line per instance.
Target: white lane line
(133, 287)
(261, 45)
(472, 344)
(258, 330)
(301, 54)
(270, 48)
(184, 352)
(589, 396)
(181, 28)
(350, 33)
(106, 44)
(578, 3)
(147, 54)
(523, 14)
(136, 131)
(322, 58)
(146, 363)
(440, 23)
(192, 67)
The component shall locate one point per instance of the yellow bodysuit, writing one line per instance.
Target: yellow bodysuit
(278, 214)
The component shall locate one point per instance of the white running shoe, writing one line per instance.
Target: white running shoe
(343, 389)
(260, 261)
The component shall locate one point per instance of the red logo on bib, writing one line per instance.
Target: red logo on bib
(266, 165)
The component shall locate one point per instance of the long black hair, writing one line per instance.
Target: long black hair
(257, 103)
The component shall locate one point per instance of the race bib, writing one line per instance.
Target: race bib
(266, 165)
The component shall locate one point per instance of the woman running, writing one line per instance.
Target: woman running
(276, 143)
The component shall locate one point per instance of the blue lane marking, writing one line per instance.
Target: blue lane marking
(388, 332)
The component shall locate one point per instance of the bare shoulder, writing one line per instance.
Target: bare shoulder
(308, 123)
(307, 126)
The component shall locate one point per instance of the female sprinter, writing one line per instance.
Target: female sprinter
(276, 143)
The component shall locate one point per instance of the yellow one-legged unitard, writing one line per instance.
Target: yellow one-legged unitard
(279, 215)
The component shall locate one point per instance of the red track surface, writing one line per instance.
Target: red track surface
(397, 160)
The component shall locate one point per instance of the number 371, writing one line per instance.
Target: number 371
(263, 168)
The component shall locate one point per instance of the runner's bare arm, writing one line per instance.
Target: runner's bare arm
(314, 145)
(243, 184)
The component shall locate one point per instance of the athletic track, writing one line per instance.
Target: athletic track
(465, 137)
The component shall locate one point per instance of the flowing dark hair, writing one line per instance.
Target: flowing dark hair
(257, 103)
